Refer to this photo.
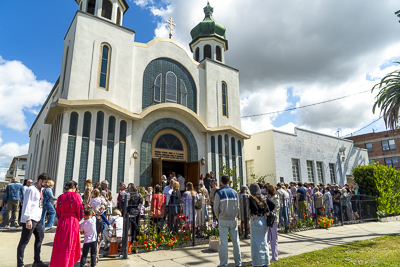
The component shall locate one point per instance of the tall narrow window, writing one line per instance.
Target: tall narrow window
(170, 88)
(106, 10)
(320, 173)
(197, 54)
(98, 145)
(110, 149)
(119, 17)
(65, 69)
(91, 6)
(207, 51)
(295, 170)
(183, 94)
(224, 99)
(239, 152)
(121, 153)
(87, 120)
(69, 163)
(233, 151)
(226, 145)
(220, 153)
(213, 160)
(157, 88)
(219, 54)
(332, 172)
(105, 51)
(310, 171)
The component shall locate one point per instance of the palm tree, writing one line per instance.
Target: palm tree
(388, 98)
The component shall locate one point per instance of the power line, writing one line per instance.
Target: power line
(290, 109)
(364, 127)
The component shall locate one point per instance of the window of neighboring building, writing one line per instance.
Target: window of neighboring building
(320, 173)
(219, 54)
(332, 173)
(105, 50)
(106, 10)
(207, 51)
(224, 99)
(392, 162)
(388, 145)
(157, 88)
(310, 171)
(91, 6)
(197, 54)
(23, 167)
(368, 146)
(296, 170)
(170, 90)
(183, 94)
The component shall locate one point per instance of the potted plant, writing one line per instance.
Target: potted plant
(214, 237)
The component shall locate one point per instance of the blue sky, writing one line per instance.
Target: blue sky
(289, 54)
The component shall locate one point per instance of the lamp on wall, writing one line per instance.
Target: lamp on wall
(203, 161)
(135, 155)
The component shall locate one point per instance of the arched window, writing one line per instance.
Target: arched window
(207, 51)
(197, 54)
(239, 152)
(119, 17)
(157, 88)
(91, 6)
(65, 68)
(106, 10)
(73, 124)
(213, 162)
(219, 54)
(98, 145)
(170, 88)
(220, 153)
(111, 129)
(183, 94)
(224, 99)
(121, 153)
(105, 51)
(87, 120)
(233, 145)
(170, 142)
(226, 144)
(99, 125)
(212, 144)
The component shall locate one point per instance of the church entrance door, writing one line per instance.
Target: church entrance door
(192, 173)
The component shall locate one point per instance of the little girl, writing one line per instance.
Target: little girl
(110, 204)
(149, 195)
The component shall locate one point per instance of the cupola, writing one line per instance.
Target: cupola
(209, 38)
(111, 10)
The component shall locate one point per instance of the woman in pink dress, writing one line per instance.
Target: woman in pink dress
(67, 245)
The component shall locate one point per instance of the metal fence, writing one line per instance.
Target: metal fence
(190, 222)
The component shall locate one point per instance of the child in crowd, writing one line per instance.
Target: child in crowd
(149, 195)
(88, 229)
(110, 204)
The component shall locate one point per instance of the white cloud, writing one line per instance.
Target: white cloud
(19, 91)
(7, 152)
(321, 49)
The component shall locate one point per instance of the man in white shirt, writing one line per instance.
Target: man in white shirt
(31, 220)
(168, 190)
(181, 181)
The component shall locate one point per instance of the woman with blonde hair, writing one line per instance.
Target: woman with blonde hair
(188, 197)
(48, 207)
(87, 194)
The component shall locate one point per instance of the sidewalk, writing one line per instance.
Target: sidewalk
(290, 244)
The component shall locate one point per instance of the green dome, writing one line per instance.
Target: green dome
(208, 27)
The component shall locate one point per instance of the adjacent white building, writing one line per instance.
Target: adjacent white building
(304, 156)
(128, 111)
(17, 169)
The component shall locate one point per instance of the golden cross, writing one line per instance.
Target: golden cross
(170, 23)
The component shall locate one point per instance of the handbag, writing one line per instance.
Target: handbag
(271, 217)
(198, 204)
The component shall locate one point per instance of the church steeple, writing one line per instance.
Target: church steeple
(209, 38)
(111, 10)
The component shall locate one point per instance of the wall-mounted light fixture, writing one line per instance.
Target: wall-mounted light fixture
(135, 155)
(203, 161)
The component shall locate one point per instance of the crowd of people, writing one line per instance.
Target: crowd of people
(261, 207)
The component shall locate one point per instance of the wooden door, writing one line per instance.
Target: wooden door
(156, 173)
(192, 172)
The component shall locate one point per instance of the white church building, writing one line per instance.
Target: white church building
(130, 112)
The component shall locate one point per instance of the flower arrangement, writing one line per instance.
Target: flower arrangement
(214, 232)
(324, 222)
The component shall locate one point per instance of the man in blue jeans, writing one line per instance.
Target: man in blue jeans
(13, 198)
(226, 209)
